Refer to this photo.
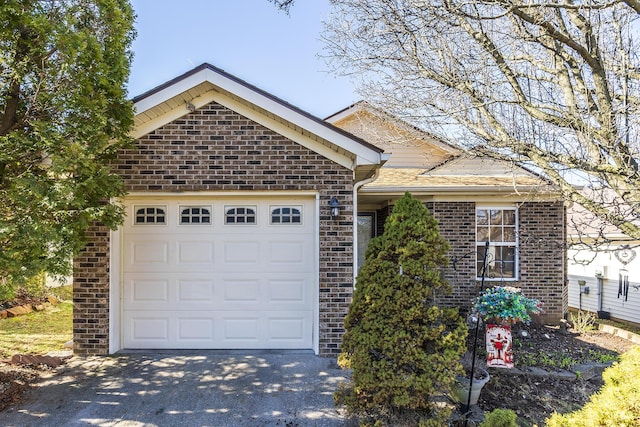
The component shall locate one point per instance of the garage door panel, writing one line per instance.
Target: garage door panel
(147, 330)
(193, 329)
(240, 291)
(241, 252)
(198, 291)
(149, 252)
(290, 252)
(241, 328)
(288, 291)
(144, 291)
(191, 252)
(289, 329)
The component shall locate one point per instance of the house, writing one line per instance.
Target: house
(474, 200)
(240, 221)
(603, 268)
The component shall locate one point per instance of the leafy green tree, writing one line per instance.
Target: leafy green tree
(403, 348)
(63, 113)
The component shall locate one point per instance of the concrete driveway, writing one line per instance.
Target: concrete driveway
(185, 389)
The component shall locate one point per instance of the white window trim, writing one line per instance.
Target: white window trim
(290, 224)
(515, 245)
(251, 224)
(191, 224)
(134, 214)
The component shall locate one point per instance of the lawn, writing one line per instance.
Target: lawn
(37, 332)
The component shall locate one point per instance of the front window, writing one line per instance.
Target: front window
(498, 226)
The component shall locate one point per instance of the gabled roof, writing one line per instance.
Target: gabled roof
(206, 84)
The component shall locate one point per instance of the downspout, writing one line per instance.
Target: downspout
(357, 187)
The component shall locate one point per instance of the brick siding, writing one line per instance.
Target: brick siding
(541, 255)
(91, 294)
(216, 149)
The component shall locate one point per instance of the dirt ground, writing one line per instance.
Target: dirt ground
(14, 381)
(533, 398)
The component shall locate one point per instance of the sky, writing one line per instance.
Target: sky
(250, 39)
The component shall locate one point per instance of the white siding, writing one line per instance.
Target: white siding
(606, 264)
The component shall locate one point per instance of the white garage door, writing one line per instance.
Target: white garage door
(219, 273)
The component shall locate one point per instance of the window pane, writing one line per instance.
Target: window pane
(483, 234)
(481, 217)
(509, 217)
(496, 234)
(496, 217)
(509, 234)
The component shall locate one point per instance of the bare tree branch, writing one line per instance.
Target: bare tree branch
(554, 85)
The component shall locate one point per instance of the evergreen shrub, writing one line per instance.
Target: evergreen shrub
(616, 404)
(402, 347)
(500, 418)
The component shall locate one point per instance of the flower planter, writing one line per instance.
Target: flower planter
(460, 388)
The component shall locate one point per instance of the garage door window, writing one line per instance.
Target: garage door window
(195, 215)
(286, 215)
(150, 215)
(240, 215)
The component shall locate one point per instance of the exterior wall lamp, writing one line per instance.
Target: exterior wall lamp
(334, 204)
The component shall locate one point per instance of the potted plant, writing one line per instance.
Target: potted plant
(500, 307)
(464, 391)
(506, 305)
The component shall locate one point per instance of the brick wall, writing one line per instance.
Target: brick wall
(91, 294)
(541, 256)
(216, 149)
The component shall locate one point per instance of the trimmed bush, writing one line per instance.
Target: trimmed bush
(403, 348)
(616, 404)
(500, 418)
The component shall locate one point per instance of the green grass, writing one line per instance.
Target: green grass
(63, 293)
(37, 332)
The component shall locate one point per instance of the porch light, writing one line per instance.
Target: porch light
(335, 207)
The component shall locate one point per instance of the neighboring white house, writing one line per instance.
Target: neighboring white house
(603, 278)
